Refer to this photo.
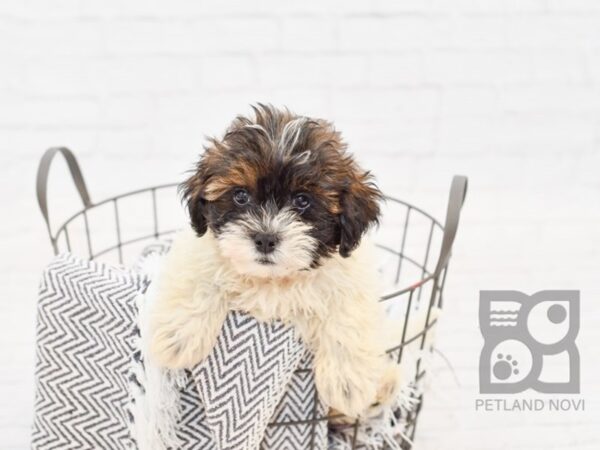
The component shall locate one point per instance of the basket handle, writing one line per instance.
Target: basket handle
(42, 181)
(458, 192)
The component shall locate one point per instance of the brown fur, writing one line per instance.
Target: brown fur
(304, 155)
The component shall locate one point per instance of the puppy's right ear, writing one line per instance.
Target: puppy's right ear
(192, 191)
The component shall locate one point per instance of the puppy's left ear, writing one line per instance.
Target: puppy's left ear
(359, 203)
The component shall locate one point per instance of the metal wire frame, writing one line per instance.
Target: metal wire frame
(433, 278)
(120, 243)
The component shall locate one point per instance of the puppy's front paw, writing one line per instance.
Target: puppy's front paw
(388, 390)
(389, 385)
(346, 391)
(177, 348)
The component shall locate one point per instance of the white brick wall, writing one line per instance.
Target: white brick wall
(507, 92)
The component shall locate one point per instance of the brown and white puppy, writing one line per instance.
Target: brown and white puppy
(278, 209)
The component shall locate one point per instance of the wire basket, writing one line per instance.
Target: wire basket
(117, 228)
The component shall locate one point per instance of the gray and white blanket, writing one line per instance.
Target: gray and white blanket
(257, 379)
(95, 388)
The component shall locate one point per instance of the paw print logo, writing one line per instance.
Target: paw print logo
(510, 362)
(505, 367)
(522, 333)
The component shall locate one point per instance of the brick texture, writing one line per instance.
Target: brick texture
(506, 92)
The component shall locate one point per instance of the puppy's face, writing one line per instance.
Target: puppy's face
(280, 193)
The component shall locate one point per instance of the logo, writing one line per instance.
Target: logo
(529, 342)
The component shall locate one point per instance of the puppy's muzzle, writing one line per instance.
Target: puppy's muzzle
(265, 242)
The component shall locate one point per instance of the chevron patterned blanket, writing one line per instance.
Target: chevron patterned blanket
(95, 389)
(85, 323)
(257, 379)
(90, 392)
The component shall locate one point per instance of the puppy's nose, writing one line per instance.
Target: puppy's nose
(265, 242)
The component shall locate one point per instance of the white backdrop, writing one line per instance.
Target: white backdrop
(506, 92)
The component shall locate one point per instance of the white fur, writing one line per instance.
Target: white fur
(334, 307)
(156, 409)
(290, 134)
(294, 251)
(383, 424)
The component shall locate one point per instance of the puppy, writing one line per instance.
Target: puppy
(278, 209)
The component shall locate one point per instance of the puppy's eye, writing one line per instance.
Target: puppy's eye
(241, 197)
(301, 201)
